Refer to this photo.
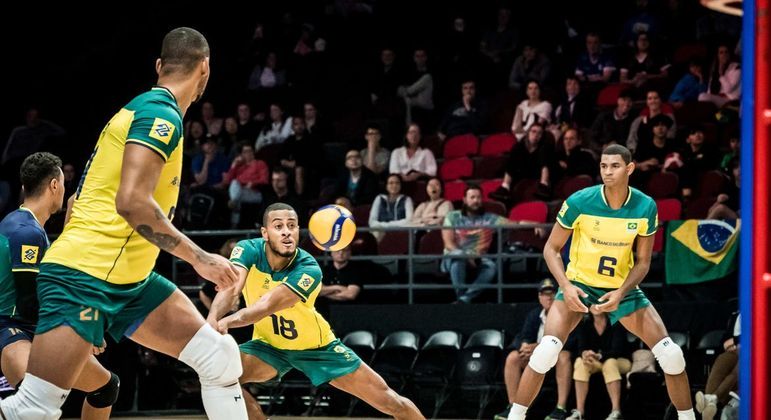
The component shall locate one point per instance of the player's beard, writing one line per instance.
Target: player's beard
(276, 251)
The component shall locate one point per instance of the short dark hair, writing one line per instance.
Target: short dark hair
(275, 207)
(470, 187)
(617, 149)
(626, 93)
(278, 169)
(373, 126)
(37, 170)
(183, 48)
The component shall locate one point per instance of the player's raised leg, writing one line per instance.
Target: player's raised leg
(368, 386)
(647, 324)
(213, 356)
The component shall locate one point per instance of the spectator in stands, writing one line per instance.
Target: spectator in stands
(357, 182)
(277, 130)
(602, 347)
(248, 128)
(531, 158)
(459, 49)
(724, 375)
(375, 156)
(316, 126)
(411, 161)
(697, 157)
(27, 139)
(640, 130)
(342, 280)
(725, 78)
(524, 343)
(70, 179)
(499, 43)
(392, 208)
(465, 116)
(612, 127)
(532, 64)
(280, 192)
(195, 137)
(643, 65)
(469, 236)
(269, 75)
(652, 155)
(210, 119)
(418, 92)
(228, 136)
(530, 111)
(727, 205)
(575, 110)
(734, 145)
(571, 159)
(432, 211)
(690, 86)
(209, 165)
(594, 66)
(244, 178)
(300, 155)
(641, 22)
(386, 78)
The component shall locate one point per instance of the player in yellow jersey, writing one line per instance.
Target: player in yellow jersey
(98, 274)
(603, 276)
(280, 283)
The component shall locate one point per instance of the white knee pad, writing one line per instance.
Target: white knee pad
(215, 357)
(545, 355)
(670, 356)
(36, 399)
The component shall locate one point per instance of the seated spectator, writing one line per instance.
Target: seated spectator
(248, 128)
(612, 127)
(690, 86)
(530, 159)
(244, 178)
(727, 205)
(465, 116)
(357, 182)
(267, 76)
(575, 110)
(652, 154)
(531, 65)
(342, 280)
(594, 65)
(572, 160)
(300, 154)
(725, 78)
(602, 349)
(213, 123)
(697, 157)
(386, 78)
(315, 125)
(277, 130)
(209, 165)
(418, 93)
(229, 136)
(375, 156)
(643, 64)
(432, 211)
(640, 130)
(530, 111)
(724, 375)
(524, 343)
(280, 192)
(391, 209)
(411, 161)
(734, 146)
(499, 43)
(469, 236)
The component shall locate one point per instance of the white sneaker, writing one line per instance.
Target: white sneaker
(614, 415)
(703, 400)
(575, 415)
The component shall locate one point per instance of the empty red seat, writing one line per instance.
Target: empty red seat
(394, 243)
(453, 191)
(494, 206)
(712, 183)
(568, 186)
(460, 146)
(431, 243)
(497, 144)
(669, 209)
(361, 214)
(609, 95)
(489, 186)
(662, 185)
(531, 211)
(456, 169)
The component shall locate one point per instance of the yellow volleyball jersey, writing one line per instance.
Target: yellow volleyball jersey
(97, 240)
(299, 327)
(603, 238)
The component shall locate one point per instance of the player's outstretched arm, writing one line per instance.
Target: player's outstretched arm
(551, 253)
(275, 300)
(636, 275)
(226, 298)
(134, 202)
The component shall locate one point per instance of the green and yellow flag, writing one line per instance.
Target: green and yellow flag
(701, 250)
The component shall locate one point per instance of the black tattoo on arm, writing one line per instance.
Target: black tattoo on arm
(204, 257)
(163, 241)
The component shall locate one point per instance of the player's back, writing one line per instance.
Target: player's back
(97, 240)
(22, 244)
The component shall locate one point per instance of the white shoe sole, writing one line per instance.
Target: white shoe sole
(700, 403)
(709, 412)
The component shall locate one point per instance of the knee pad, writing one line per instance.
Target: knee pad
(106, 395)
(215, 357)
(670, 356)
(545, 355)
(36, 399)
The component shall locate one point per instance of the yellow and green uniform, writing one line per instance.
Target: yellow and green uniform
(99, 271)
(601, 249)
(296, 337)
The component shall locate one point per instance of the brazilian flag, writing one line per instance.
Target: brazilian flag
(701, 250)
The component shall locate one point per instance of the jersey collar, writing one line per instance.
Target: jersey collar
(605, 200)
(165, 89)
(291, 260)
(32, 213)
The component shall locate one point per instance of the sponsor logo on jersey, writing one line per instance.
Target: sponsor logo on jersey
(29, 254)
(236, 253)
(631, 226)
(162, 130)
(305, 282)
(564, 208)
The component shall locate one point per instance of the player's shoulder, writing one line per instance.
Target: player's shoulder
(305, 261)
(21, 223)
(640, 200)
(586, 195)
(157, 101)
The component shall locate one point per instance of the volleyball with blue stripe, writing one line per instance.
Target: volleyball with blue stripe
(332, 228)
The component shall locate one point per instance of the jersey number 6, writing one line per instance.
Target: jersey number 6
(607, 266)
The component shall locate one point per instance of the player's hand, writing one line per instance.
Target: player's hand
(223, 325)
(572, 295)
(217, 269)
(609, 301)
(97, 350)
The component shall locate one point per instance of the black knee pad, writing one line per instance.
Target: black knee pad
(106, 395)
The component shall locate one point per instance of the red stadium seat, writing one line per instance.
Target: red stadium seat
(669, 209)
(431, 243)
(415, 190)
(454, 190)
(497, 144)
(695, 113)
(493, 206)
(663, 185)
(489, 167)
(524, 190)
(609, 95)
(712, 183)
(461, 146)
(568, 186)
(489, 186)
(361, 215)
(394, 243)
(698, 208)
(531, 211)
(456, 169)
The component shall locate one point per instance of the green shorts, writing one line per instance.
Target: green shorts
(321, 365)
(91, 306)
(633, 300)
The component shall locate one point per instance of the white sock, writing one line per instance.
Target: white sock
(223, 402)
(36, 399)
(517, 412)
(686, 414)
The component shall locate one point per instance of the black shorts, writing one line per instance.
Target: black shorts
(12, 330)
